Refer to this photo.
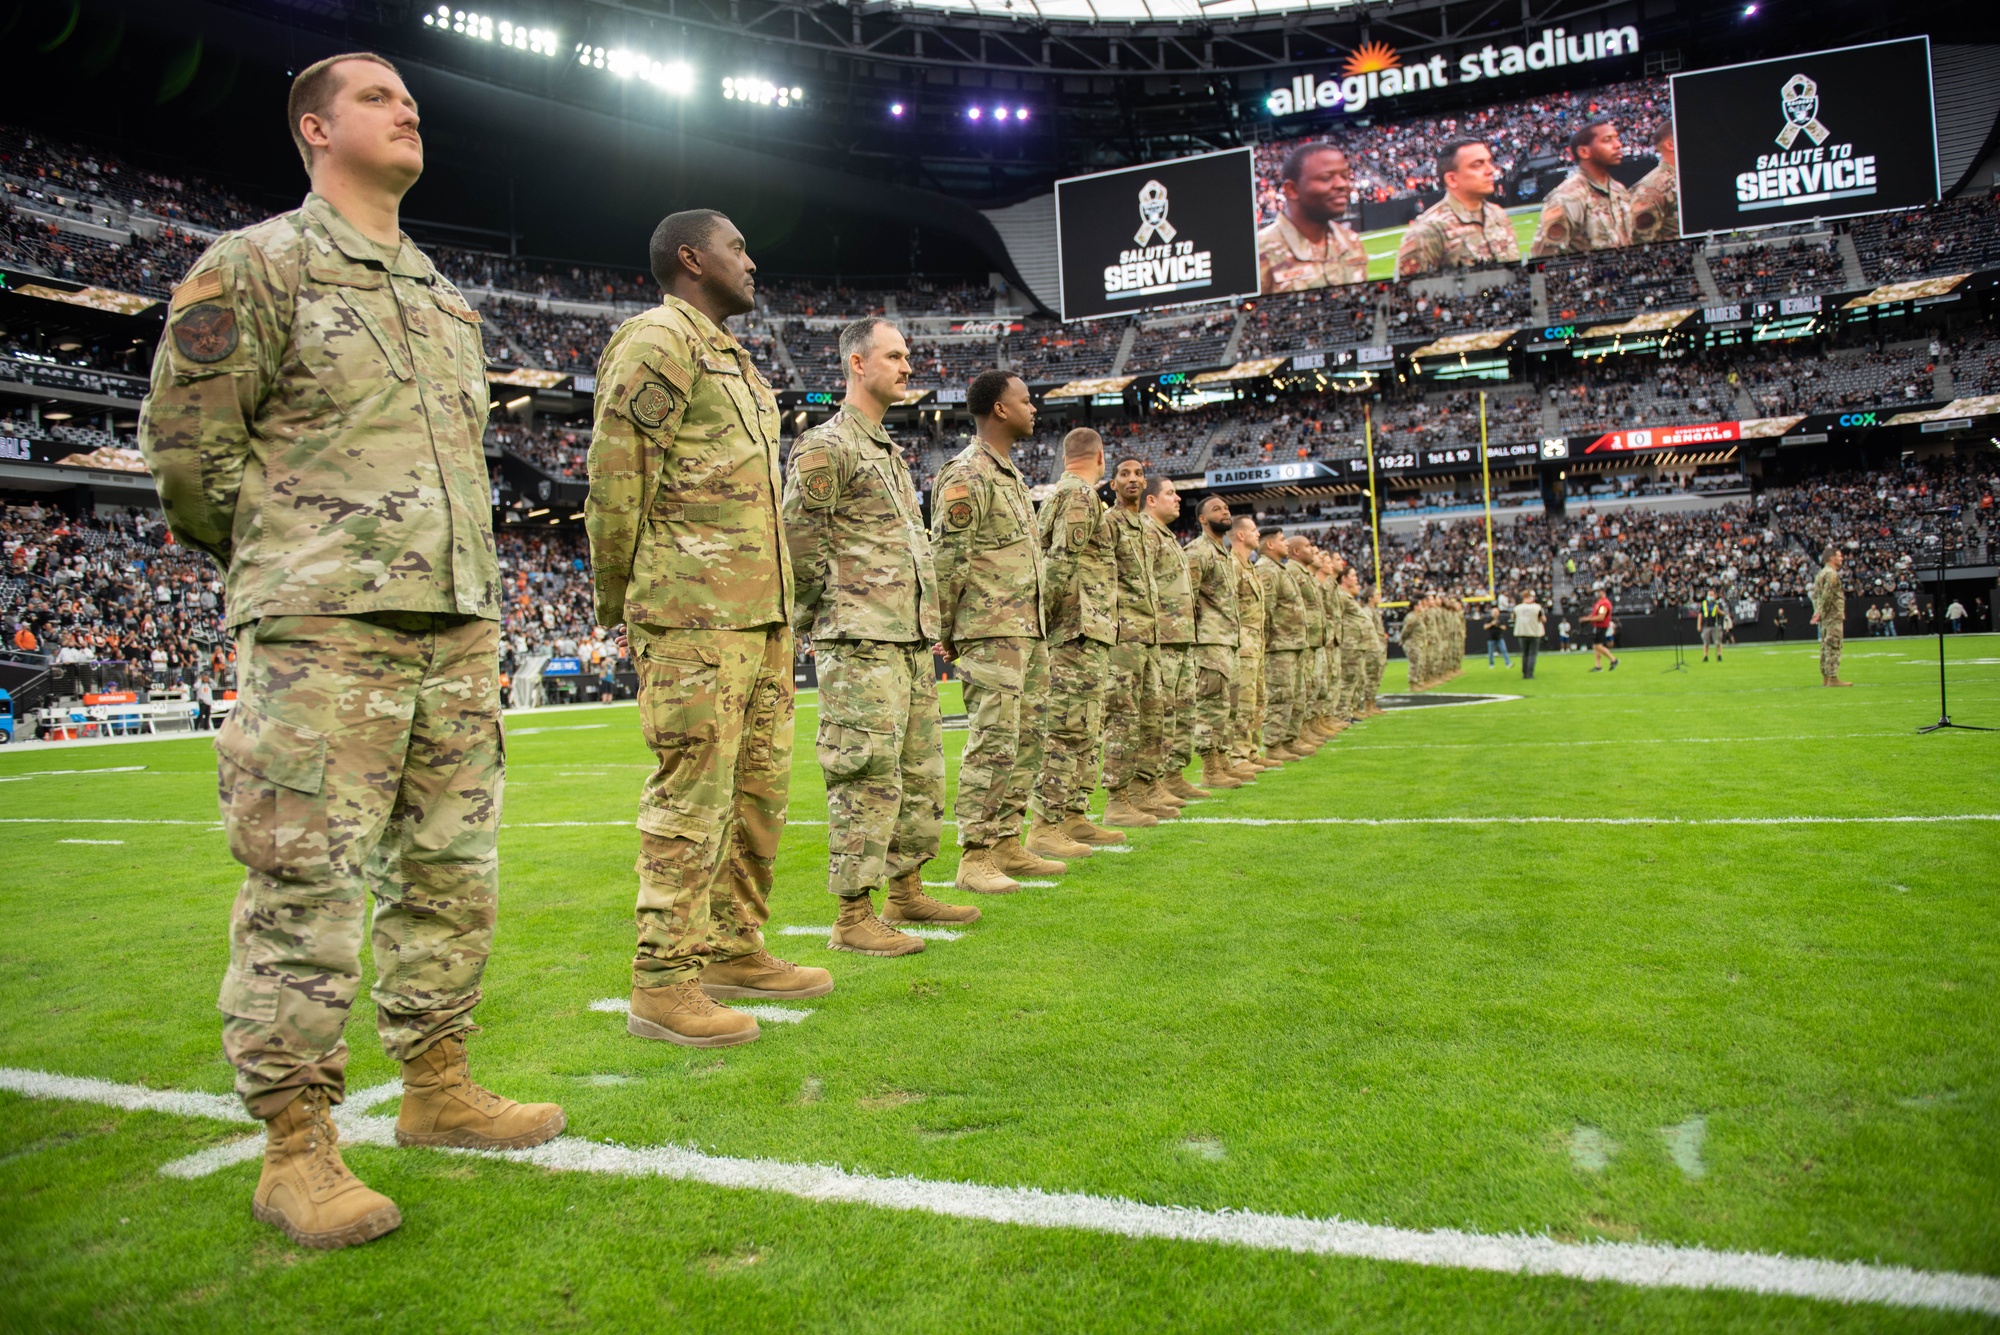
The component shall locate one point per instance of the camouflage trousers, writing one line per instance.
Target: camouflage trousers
(881, 747)
(1375, 664)
(1177, 695)
(1006, 681)
(1214, 696)
(1284, 673)
(1318, 700)
(1830, 638)
(1246, 713)
(364, 756)
(715, 707)
(1078, 674)
(1347, 701)
(1132, 708)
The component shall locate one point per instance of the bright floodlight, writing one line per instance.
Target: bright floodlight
(999, 113)
(895, 108)
(1020, 113)
(973, 112)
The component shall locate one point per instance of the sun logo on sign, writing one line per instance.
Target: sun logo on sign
(1371, 56)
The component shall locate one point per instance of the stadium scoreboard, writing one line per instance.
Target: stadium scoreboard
(1161, 234)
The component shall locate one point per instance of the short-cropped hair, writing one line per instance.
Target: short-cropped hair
(1080, 444)
(691, 228)
(316, 87)
(983, 394)
(857, 335)
(1294, 165)
(1448, 155)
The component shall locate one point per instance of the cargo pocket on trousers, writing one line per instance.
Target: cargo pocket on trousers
(271, 781)
(770, 710)
(678, 684)
(247, 996)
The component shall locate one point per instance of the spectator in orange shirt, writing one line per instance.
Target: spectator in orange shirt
(1599, 621)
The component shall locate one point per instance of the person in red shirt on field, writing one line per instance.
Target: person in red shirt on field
(1599, 621)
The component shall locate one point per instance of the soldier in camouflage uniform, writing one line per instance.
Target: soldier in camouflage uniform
(1246, 723)
(1132, 704)
(1378, 654)
(1656, 200)
(1465, 229)
(1590, 210)
(867, 596)
(314, 425)
(1356, 631)
(1308, 246)
(1079, 582)
(688, 552)
(1413, 641)
(1212, 573)
(1327, 718)
(989, 568)
(1176, 649)
(1307, 704)
(1829, 605)
(1284, 648)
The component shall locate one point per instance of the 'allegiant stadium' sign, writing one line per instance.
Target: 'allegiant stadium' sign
(1375, 71)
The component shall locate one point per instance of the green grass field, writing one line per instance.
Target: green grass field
(1381, 244)
(1770, 1038)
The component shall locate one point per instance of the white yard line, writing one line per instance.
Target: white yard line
(1636, 1264)
(25, 775)
(565, 727)
(771, 1014)
(953, 885)
(119, 842)
(1625, 741)
(907, 929)
(1585, 820)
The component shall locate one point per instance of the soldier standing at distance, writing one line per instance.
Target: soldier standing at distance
(314, 425)
(1378, 654)
(1213, 576)
(867, 595)
(1176, 631)
(1307, 246)
(1284, 647)
(1356, 630)
(1590, 210)
(687, 549)
(1656, 200)
(1306, 739)
(1465, 229)
(1246, 728)
(1327, 567)
(1079, 582)
(1829, 604)
(989, 569)
(1132, 702)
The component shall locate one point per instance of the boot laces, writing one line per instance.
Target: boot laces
(324, 1168)
(459, 1072)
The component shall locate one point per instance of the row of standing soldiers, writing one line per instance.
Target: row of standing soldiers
(1434, 632)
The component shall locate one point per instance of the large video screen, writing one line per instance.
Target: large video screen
(1162, 234)
(1829, 134)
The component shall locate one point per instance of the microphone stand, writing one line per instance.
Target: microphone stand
(1937, 615)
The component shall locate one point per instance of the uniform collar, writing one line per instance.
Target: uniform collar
(716, 335)
(1296, 242)
(869, 428)
(1604, 189)
(991, 453)
(349, 241)
(1477, 215)
(1209, 538)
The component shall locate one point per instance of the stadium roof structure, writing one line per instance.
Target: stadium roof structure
(1132, 11)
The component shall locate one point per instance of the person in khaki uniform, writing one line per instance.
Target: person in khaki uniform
(867, 595)
(1246, 714)
(1656, 199)
(1326, 721)
(314, 426)
(1355, 633)
(1307, 246)
(1465, 229)
(1175, 628)
(1132, 701)
(1212, 574)
(1284, 647)
(1306, 739)
(1591, 210)
(1079, 574)
(1378, 654)
(687, 550)
(989, 570)
(1829, 604)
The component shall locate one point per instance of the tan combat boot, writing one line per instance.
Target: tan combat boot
(1157, 794)
(1151, 798)
(1079, 829)
(762, 976)
(1178, 785)
(1215, 772)
(305, 1189)
(1303, 745)
(1014, 860)
(859, 930)
(1244, 768)
(1282, 754)
(442, 1106)
(907, 902)
(1048, 841)
(682, 1013)
(978, 874)
(1122, 808)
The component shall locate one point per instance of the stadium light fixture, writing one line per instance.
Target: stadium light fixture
(895, 108)
(674, 77)
(999, 113)
(762, 92)
(972, 113)
(485, 28)
(1020, 113)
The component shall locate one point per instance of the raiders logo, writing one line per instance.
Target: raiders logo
(651, 405)
(818, 485)
(206, 334)
(959, 514)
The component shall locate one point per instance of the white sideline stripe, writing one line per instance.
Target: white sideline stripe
(927, 933)
(349, 1117)
(565, 727)
(1639, 741)
(953, 885)
(49, 773)
(1585, 820)
(1637, 1264)
(119, 842)
(95, 820)
(775, 1014)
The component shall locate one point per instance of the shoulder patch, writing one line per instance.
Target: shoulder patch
(958, 513)
(1079, 534)
(207, 333)
(818, 485)
(200, 288)
(651, 405)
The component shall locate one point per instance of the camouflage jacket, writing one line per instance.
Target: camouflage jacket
(1176, 591)
(1287, 262)
(1284, 614)
(1212, 571)
(989, 566)
(1312, 611)
(1656, 204)
(1138, 594)
(1381, 644)
(1249, 609)
(1446, 237)
(1828, 599)
(1329, 609)
(683, 513)
(1080, 570)
(861, 556)
(1579, 216)
(1354, 623)
(315, 425)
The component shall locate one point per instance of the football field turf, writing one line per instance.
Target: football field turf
(1694, 961)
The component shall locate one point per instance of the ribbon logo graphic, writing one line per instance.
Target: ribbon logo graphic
(1801, 98)
(1153, 214)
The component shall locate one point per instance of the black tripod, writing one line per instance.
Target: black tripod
(1937, 615)
(1680, 659)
